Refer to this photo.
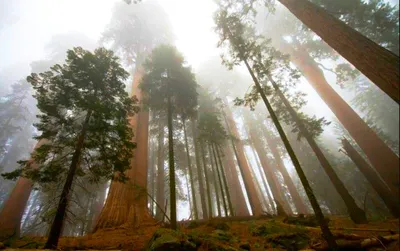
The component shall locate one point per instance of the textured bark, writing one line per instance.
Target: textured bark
(238, 199)
(160, 196)
(356, 213)
(383, 159)
(378, 64)
(199, 172)
(391, 201)
(196, 215)
(127, 202)
(14, 206)
(244, 167)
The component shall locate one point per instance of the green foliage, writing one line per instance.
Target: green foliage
(88, 83)
(211, 129)
(166, 76)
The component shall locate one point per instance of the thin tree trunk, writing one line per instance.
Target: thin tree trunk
(390, 200)
(210, 212)
(244, 166)
(127, 202)
(264, 182)
(171, 165)
(196, 215)
(160, 196)
(215, 180)
(378, 64)
(14, 206)
(223, 174)
(314, 203)
(383, 159)
(297, 200)
(199, 172)
(188, 193)
(217, 170)
(237, 196)
(56, 227)
(356, 213)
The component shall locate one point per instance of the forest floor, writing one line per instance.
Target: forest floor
(267, 233)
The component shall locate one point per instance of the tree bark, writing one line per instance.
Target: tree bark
(215, 180)
(356, 213)
(383, 159)
(217, 170)
(210, 212)
(160, 196)
(238, 200)
(56, 226)
(199, 172)
(14, 206)
(127, 202)
(223, 174)
(244, 167)
(378, 64)
(196, 215)
(390, 200)
(171, 162)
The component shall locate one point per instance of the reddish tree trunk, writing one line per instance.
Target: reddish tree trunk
(238, 200)
(255, 202)
(375, 62)
(14, 206)
(127, 202)
(391, 201)
(385, 161)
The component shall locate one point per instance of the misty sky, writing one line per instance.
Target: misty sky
(28, 25)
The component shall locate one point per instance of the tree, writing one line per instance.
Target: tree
(169, 86)
(85, 120)
(231, 32)
(379, 65)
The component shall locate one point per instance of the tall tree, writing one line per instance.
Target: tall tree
(85, 119)
(231, 32)
(133, 32)
(379, 65)
(169, 85)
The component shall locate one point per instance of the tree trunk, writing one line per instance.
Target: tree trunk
(314, 203)
(356, 213)
(390, 200)
(127, 202)
(223, 174)
(269, 174)
(160, 196)
(210, 212)
(215, 181)
(171, 162)
(199, 172)
(56, 226)
(217, 170)
(238, 200)
(14, 206)
(196, 215)
(244, 167)
(297, 200)
(384, 160)
(375, 62)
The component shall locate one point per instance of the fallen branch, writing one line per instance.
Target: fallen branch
(344, 228)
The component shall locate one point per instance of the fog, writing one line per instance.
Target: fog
(36, 34)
